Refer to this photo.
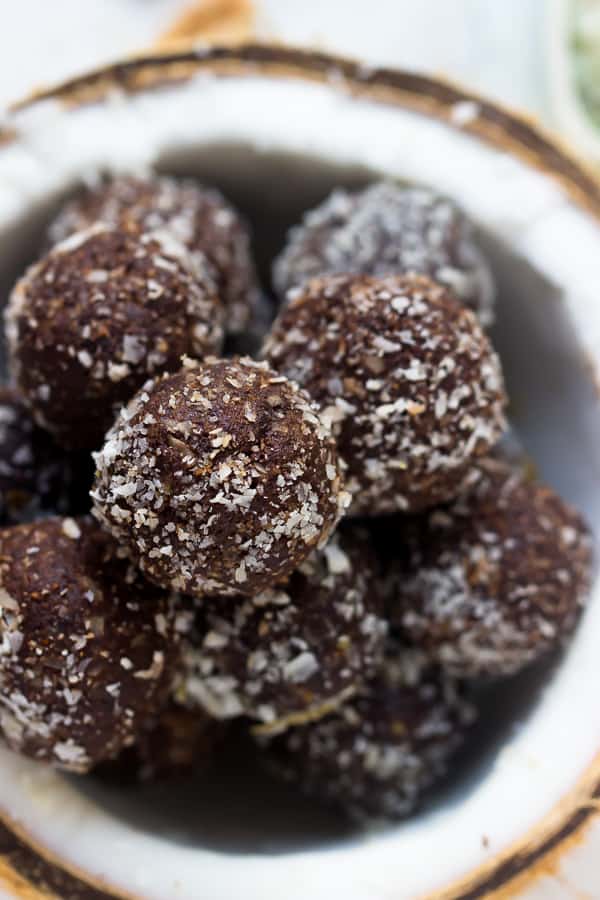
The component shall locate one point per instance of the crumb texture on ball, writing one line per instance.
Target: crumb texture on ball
(89, 323)
(199, 217)
(377, 755)
(295, 651)
(387, 229)
(220, 479)
(407, 378)
(495, 580)
(88, 649)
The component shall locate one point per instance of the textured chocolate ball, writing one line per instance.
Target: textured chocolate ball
(95, 318)
(219, 479)
(88, 649)
(199, 217)
(36, 476)
(495, 580)
(178, 743)
(389, 230)
(406, 376)
(293, 652)
(376, 756)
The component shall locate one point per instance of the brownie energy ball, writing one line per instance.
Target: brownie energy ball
(176, 744)
(389, 230)
(407, 378)
(495, 580)
(220, 479)
(199, 217)
(377, 755)
(294, 652)
(95, 318)
(88, 650)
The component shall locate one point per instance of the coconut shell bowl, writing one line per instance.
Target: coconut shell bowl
(276, 130)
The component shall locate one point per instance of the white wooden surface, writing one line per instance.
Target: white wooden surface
(497, 46)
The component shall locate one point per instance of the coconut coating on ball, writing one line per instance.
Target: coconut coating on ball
(495, 580)
(220, 479)
(376, 756)
(293, 652)
(88, 649)
(406, 376)
(386, 229)
(90, 322)
(199, 217)
(36, 476)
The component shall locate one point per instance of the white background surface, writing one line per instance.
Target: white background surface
(495, 46)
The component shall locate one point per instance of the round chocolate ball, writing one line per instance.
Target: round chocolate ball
(405, 375)
(294, 652)
(378, 754)
(90, 322)
(220, 479)
(178, 743)
(88, 650)
(495, 580)
(386, 229)
(199, 217)
(36, 476)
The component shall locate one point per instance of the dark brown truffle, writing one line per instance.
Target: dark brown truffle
(376, 756)
(495, 580)
(36, 476)
(406, 376)
(95, 318)
(294, 652)
(389, 230)
(88, 649)
(199, 217)
(179, 743)
(220, 479)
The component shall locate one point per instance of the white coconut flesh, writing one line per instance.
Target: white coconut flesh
(235, 839)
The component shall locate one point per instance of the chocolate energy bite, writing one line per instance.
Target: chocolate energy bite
(405, 375)
(375, 757)
(293, 652)
(36, 476)
(220, 479)
(495, 580)
(199, 217)
(93, 319)
(177, 743)
(88, 649)
(389, 230)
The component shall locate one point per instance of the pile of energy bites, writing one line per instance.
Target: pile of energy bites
(324, 542)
